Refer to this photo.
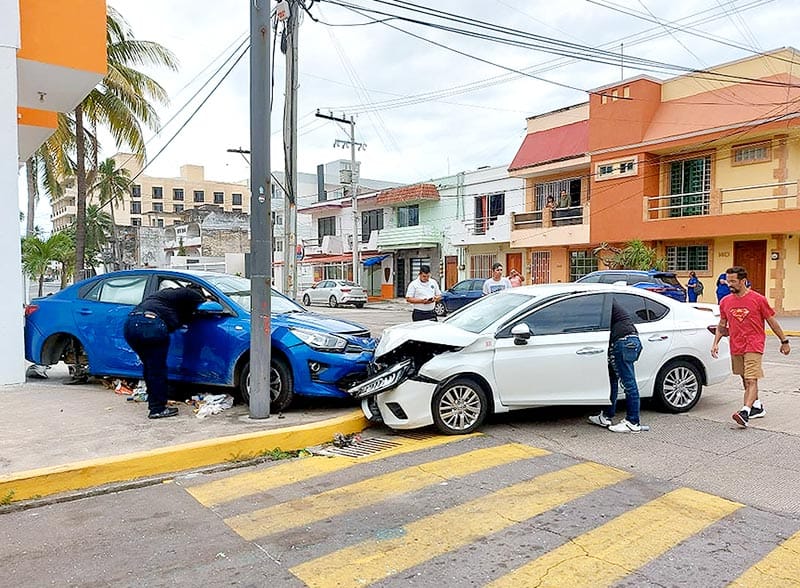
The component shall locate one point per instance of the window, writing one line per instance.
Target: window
(177, 193)
(136, 208)
(575, 315)
(605, 170)
(219, 197)
(278, 219)
(371, 220)
(236, 199)
(641, 309)
(136, 222)
(581, 263)
(487, 209)
(616, 168)
(127, 290)
(417, 263)
(158, 207)
(684, 258)
(136, 191)
(480, 266)
(754, 153)
(326, 226)
(278, 245)
(160, 223)
(408, 216)
(179, 208)
(690, 186)
(572, 186)
(199, 196)
(158, 192)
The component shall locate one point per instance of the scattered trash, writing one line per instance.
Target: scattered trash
(123, 387)
(37, 371)
(210, 404)
(341, 440)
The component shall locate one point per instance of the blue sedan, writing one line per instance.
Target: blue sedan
(312, 355)
(460, 295)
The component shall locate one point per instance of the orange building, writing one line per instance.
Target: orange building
(51, 55)
(704, 167)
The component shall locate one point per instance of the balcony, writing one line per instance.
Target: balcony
(477, 230)
(416, 237)
(768, 197)
(550, 227)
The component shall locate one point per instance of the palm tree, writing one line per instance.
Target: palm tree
(98, 230)
(110, 187)
(38, 254)
(122, 103)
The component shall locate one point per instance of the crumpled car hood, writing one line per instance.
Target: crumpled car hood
(424, 332)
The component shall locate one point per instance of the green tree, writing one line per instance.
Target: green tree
(634, 255)
(37, 254)
(111, 185)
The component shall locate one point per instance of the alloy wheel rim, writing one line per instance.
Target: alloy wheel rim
(460, 407)
(274, 383)
(680, 387)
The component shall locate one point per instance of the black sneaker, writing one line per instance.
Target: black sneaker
(741, 418)
(756, 413)
(170, 411)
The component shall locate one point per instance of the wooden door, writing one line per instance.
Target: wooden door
(752, 256)
(514, 261)
(450, 271)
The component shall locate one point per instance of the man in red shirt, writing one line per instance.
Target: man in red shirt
(743, 315)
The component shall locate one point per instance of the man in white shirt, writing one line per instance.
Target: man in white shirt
(422, 294)
(497, 282)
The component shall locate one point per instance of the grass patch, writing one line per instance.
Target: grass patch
(276, 454)
(8, 498)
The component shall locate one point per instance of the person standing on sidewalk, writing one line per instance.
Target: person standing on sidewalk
(624, 350)
(423, 294)
(742, 315)
(497, 282)
(147, 331)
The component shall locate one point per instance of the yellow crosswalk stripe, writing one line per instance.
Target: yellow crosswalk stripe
(263, 480)
(434, 535)
(607, 554)
(779, 569)
(303, 511)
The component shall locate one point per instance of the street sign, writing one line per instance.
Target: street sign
(301, 252)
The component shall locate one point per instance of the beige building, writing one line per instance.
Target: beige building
(158, 202)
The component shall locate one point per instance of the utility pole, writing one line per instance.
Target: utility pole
(260, 212)
(353, 187)
(292, 31)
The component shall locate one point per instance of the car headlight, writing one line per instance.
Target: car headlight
(320, 341)
(382, 381)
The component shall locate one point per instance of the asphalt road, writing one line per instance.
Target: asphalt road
(539, 498)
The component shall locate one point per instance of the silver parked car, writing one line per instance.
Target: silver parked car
(334, 293)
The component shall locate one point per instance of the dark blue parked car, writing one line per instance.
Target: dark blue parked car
(312, 355)
(660, 282)
(460, 295)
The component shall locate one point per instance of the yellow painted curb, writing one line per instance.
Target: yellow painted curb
(131, 466)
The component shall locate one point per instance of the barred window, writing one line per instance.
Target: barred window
(684, 258)
(581, 263)
(754, 153)
(480, 266)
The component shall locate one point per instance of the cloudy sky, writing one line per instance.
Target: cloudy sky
(424, 108)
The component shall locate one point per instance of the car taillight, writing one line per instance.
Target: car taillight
(655, 289)
(345, 289)
(30, 309)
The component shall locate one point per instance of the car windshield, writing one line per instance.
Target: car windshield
(485, 311)
(238, 290)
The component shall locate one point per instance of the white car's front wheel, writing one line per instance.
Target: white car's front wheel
(459, 407)
(678, 386)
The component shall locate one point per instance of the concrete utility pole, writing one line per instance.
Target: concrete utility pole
(260, 213)
(353, 188)
(290, 154)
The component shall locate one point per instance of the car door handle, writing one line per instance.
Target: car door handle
(658, 338)
(84, 311)
(589, 351)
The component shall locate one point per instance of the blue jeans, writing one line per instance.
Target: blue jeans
(622, 354)
(149, 338)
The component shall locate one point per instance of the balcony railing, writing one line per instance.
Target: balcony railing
(527, 220)
(546, 218)
(677, 205)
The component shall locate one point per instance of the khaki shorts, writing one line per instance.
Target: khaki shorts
(748, 366)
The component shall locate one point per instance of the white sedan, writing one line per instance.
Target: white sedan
(537, 346)
(334, 293)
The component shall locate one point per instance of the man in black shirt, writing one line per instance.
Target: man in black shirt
(624, 349)
(147, 331)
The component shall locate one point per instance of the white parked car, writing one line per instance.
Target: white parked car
(537, 346)
(334, 293)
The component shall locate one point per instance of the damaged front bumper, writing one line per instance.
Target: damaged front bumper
(382, 381)
(408, 406)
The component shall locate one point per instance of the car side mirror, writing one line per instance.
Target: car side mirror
(211, 307)
(521, 333)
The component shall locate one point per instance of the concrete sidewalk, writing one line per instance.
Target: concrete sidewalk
(58, 437)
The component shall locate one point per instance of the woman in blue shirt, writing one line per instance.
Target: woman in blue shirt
(722, 287)
(690, 285)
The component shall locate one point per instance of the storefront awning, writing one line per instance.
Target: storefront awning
(374, 260)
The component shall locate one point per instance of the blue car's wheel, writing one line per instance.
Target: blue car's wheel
(281, 386)
(440, 309)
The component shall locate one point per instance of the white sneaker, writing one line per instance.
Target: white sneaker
(625, 426)
(600, 420)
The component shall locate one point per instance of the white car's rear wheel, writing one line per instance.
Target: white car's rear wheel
(306, 300)
(459, 407)
(332, 302)
(678, 386)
